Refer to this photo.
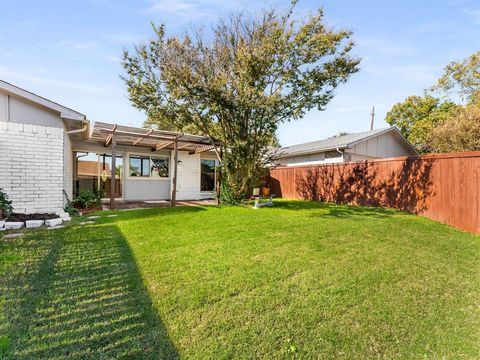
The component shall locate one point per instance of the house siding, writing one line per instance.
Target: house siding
(32, 166)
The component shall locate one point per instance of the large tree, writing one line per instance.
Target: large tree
(427, 121)
(417, 116)
(459, 132)
(239, 82)
(461, 78)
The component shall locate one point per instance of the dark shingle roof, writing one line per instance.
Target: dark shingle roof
(340, 142)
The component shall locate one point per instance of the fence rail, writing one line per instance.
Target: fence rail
(442, 187)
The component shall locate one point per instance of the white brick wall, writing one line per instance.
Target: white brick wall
(32, 166)
(188, 182)
(68, 168)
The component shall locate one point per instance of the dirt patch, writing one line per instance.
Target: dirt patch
(26, 217)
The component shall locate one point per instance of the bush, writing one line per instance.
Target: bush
(89, 199)
(6, 207)
(70, 209)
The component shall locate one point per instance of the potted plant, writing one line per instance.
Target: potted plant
(265, 189)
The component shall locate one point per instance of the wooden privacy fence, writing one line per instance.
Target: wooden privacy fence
(442, 187)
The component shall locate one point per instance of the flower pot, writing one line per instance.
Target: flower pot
(265, 191)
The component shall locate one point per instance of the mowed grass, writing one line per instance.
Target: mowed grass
(301, 280)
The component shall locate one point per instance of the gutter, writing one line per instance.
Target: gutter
(83, 129)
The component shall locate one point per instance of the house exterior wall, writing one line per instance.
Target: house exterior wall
(68, 167)
(31, 166)
(382, 146)
(24, 112)
(188, 179)
(307, 159)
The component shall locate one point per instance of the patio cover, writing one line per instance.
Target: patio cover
(113, 135)
(154, 139)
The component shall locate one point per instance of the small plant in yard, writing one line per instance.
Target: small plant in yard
(89, 199)
(6, 207)
(4, 342)
(69, 208)
(290, 347)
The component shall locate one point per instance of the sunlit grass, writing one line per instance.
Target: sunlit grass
(302, 280)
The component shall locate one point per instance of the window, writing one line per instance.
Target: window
(159, 168)
(139, 166)
(149, 167)
(208, 175)
(332, 154)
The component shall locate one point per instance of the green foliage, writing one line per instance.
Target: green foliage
(4, 343)
(89, 199)
(237, 85)
(461, 77)
(459, 132)
(6, 207)
(71, 210)
(416, 117)
(438, 121)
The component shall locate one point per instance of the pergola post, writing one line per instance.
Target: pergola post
(112, 173)
(175, 162)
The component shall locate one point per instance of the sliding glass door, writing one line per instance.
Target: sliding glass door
(94, 171)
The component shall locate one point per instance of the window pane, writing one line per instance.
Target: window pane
(207, 180)
(159, 167)
(145, 166)
(135, 166)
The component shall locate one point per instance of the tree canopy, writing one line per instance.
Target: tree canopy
(416, 117)
(239, 82)
(449, 109)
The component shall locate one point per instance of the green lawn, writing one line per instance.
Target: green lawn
(302, 280)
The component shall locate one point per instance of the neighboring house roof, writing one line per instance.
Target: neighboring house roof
(90, 168)
(64, 111)
(339, 142)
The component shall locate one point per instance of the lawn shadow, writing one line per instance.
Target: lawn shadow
(79, 294)
(403, 185)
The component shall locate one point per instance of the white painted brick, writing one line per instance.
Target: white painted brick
(31, 167)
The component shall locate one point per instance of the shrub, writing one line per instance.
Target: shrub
(70, 209)
(88, 199)
(6, 207)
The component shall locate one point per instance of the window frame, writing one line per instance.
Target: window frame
(149, 177)
(215, 172)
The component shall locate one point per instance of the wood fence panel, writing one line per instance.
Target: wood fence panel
(442, 187)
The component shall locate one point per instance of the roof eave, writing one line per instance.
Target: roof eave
(65, 112)
(315, 151)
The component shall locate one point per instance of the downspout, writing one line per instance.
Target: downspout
(340, 152)
(83, 129)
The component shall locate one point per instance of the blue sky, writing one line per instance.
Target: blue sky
(69, 51)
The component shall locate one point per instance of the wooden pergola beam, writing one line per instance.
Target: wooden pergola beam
(184, 146)
(163, 145)
(153, 136)
(110, 136)
(113, 172)
(174, 187)
(142, 137)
